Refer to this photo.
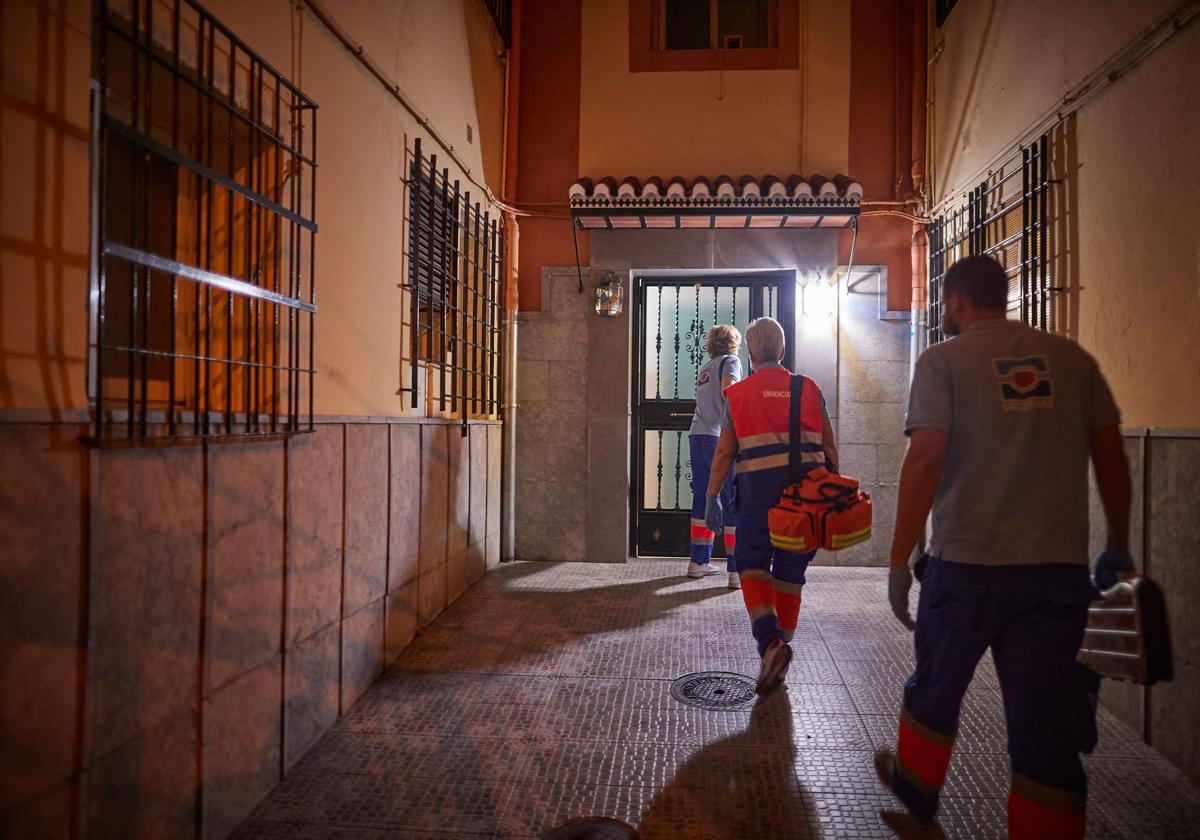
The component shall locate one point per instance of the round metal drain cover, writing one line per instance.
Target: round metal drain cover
(592, 828)
(720, 690)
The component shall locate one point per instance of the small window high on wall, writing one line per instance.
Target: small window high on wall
(667, 35)
(203, 232)
(715, 24)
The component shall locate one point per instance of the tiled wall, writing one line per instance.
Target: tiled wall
(867, 405)
(179, 624)
(1165, 542)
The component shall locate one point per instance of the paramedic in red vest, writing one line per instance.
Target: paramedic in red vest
(755, 432)
(1002, 420)
(723, 369)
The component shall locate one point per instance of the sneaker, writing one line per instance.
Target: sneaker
(775, 662)
(735, 582)
(699, 570)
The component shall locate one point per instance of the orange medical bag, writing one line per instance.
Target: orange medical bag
(820, 509)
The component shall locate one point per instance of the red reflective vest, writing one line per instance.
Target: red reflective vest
(760, 407)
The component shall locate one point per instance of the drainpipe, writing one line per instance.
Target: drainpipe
(920, 238)
(508, 432)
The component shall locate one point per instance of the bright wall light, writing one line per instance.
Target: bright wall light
(819, 299)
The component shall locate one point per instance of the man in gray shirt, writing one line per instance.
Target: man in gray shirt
(1002, 422)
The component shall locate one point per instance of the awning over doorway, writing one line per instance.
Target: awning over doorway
(770, 203)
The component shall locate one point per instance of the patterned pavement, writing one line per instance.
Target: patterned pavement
(544, 694)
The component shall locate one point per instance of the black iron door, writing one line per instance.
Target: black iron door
(674, 315)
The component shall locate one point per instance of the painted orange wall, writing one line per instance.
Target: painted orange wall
(835, 114)
(455, 78)
(548, 152)
(755, 122)
(881, 136)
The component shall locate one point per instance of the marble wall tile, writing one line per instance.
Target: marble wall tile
(431, 595)
(367, 481)
(859, 460)
(459, 526)
(532, 381)
(1174, 531)
(242, 746)
(146, 788)
(607, 509)
(405, 511)
(246, 557)
(42, 479)
(873, 381)
(312, 669)
(870, 423)
(494, 461)
(362, 652)
(478, 489)
(548, 340)
(435, 489)
(147, 564)
(889, 457)
(315, 480)
(400, 620)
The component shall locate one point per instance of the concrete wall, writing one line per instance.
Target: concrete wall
(180, 624)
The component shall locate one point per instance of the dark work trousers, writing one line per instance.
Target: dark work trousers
(1033, 618)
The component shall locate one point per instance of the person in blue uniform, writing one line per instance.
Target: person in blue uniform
(722, 370)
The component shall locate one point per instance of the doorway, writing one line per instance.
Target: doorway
(672, 317)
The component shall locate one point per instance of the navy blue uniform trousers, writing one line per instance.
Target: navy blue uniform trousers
(1032, 617)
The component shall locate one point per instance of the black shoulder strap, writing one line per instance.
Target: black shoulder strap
(795, 403)
(721, 371)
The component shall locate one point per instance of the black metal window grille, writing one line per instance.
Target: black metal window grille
(943, 9)
(501, 12)
(455, 255)
(1007, 216)
(203, 208)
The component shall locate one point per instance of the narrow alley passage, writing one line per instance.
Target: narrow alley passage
(544, 693)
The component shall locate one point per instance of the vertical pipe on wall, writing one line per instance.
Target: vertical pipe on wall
(508, 430)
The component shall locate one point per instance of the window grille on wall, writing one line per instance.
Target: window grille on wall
(1007, 216)
(455, 253)
(501, 12)
(203, 220)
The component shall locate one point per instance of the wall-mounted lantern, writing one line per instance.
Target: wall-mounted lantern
(610, 299)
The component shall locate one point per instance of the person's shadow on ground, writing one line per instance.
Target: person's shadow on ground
(742, 786)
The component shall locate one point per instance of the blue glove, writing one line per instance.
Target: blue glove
(1110, 566)
(714, 515)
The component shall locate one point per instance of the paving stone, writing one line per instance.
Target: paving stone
(543, 693)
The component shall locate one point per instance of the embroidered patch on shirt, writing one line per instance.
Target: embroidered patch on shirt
(1025, 384)
(703, 377)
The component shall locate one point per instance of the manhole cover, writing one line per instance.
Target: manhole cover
(592, 828)
(714, 690)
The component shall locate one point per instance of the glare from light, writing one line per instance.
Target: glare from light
(820, 298)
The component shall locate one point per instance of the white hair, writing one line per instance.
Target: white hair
(764, 338)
